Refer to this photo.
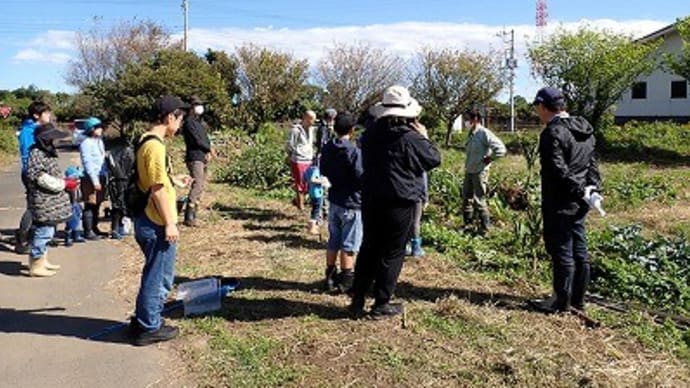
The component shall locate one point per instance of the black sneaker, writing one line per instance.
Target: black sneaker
(91, 236)
(165, 333)
(386, 310)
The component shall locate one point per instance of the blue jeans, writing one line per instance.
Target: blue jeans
(344, 229)
(75, 221)
(158, 273)
(43, 234)
(316, 208)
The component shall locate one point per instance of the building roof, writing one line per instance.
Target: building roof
(659, 33)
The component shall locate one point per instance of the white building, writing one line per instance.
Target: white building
(661, 95)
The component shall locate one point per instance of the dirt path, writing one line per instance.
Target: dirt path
(44, 323)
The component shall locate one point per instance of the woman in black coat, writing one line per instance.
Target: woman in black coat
(396, 152)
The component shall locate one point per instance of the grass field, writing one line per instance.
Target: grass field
(466, 321)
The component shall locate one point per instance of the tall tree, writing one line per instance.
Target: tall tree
(354, 76)
(102, 52)
(270, 83)
(449, 82)
(593, 68)
(130, 96)
(680, 63)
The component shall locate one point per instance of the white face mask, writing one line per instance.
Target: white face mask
(199, 110)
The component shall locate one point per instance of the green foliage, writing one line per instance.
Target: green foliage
(8, 140)
(593, 68)
(261, 164)
(654, 271)
(658, 142)
(450, 82)
(271, 84)
(131, 95)
(632, 192)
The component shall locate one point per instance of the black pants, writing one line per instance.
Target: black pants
(566, 243)
(387, 227)
(116, 216)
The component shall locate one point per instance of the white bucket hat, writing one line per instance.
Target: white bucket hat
(396, 102)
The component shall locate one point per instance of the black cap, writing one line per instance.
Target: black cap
(344, 122)
(168, 104)
(49, 132)
(549, 97)
(195, 100)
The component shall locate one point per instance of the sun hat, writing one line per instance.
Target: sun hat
(396, 101)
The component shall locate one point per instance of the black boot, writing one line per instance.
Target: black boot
(190, 215)
(347, 277)
(580, 283)
(68, 238)
(87, 222)
(21, 243)
(468, 218)
(330, 283)
(485, 219)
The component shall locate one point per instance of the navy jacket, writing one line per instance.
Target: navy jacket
(341, 163)
(395, 160)
(566, 153)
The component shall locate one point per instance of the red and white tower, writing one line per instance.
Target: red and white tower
(541, 18)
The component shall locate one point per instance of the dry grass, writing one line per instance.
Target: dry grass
(460, 329)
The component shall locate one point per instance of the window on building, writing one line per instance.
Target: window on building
(639, 91)
(679, 89)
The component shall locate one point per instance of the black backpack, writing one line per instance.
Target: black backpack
(136, 199)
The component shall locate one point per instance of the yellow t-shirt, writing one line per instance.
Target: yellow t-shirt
(152, 171)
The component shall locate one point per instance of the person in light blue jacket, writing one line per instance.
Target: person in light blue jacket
(39, 114)
(92, 151)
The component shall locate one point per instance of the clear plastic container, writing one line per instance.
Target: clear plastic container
(200, 296)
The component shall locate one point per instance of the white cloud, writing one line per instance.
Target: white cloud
(404, 38)
(54, 40)
(32, 55)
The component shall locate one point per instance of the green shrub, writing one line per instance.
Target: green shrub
(8, 140)
(654, 271)
(260, 164)
(655, 142)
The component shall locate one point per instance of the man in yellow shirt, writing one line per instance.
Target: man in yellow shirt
(156, 229)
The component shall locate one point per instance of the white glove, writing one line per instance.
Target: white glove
(594, 199)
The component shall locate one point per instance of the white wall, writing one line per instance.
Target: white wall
(658, 101)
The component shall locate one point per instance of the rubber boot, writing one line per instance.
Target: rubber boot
(87, 221)
(417, 250)
(190, 215)
(468, 218)
(50, 266)
(69, 234)
(37, 268)
(347, 278)
(21, 245)
(485, 219)
(331, 273)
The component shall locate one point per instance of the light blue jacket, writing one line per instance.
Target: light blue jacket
(92, 152)
(26, 140)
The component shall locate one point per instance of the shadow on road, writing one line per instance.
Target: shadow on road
(40, 321)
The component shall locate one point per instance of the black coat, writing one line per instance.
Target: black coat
(196, 139)
(394, 161)
(341, 163)
(568, 165)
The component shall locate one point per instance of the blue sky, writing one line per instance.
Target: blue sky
(38, 35)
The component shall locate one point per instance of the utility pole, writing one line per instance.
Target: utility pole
(185, 10)
(511, 65)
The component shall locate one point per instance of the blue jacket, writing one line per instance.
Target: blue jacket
(92, 151)
(315, 189)
(341, 163)
(26, 140)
